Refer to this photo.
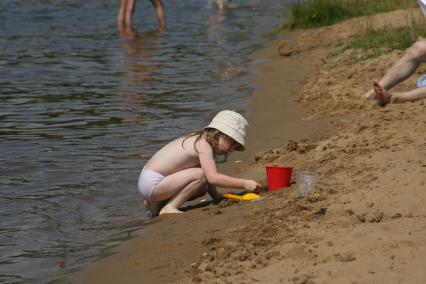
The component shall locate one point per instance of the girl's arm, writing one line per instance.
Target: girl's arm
(214, 194)
(207, 162)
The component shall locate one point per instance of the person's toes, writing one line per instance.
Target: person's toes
(378, 89)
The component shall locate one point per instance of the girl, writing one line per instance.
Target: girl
(186, 167)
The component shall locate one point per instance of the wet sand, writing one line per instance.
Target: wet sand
(365, 222)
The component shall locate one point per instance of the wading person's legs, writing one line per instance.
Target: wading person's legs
(159, 10)
(121, 14)
(125, 13)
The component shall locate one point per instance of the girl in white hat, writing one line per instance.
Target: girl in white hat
(186, 167)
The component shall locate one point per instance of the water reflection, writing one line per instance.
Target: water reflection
(139, 68)
(136, 49)
(222, 5)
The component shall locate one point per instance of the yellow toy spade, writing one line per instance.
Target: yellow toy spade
(245, 197)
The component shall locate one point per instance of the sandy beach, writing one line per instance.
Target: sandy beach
(365, 222)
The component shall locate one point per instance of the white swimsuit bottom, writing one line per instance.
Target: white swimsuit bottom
(148, 181)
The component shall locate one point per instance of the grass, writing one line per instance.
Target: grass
(386, 39)
(317, 13)
(374, 43)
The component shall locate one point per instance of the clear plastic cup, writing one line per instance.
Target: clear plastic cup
(421, 81)
(305, 182)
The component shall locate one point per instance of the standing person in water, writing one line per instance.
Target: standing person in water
(400, 71)
(127, 8)
(186, 167)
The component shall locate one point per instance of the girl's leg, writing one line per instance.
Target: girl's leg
(200, 193)
(214, 194)
(179, 187)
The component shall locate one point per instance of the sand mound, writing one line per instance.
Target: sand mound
(372, 176)
(365, 223)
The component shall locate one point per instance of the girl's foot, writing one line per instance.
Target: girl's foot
(146, 205)
(153, 207)
(170, 210)
(383, 96)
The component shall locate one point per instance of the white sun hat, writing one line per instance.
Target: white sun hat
(232, 124)
(422, 4)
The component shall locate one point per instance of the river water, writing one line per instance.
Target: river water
(82, 109)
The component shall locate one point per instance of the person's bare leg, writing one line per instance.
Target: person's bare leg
(121, 14)
(130, 9)
(199, 193)
(403, 68)
(178, 188)
(383, 97)
(214, 194)
(186, 194)
(154, 207)
(410, 96)
(159, 10)
(220, 4)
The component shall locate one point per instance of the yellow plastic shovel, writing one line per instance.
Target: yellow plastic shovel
(245, 197)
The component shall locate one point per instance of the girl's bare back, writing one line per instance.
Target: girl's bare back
(175, 157)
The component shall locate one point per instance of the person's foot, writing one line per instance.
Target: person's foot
(170, 210)
(155, 208)
(383, 97)
(146, 205)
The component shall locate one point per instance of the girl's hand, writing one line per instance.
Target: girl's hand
(252, 186)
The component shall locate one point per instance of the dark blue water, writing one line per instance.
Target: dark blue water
(82, 109)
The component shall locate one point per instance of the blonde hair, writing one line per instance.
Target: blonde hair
(212, 137)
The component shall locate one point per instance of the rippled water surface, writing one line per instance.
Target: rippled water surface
(82, 109)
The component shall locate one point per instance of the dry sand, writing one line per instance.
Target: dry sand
(371, 164)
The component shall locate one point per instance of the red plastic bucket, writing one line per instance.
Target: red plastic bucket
(278, 176)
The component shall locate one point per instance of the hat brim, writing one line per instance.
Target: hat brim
(233, 125)
(231, 133)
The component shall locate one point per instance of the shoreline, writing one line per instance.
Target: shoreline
(364, 223)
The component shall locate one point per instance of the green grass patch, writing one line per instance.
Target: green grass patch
(317, 13)
(373, 43)
(386, 39)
